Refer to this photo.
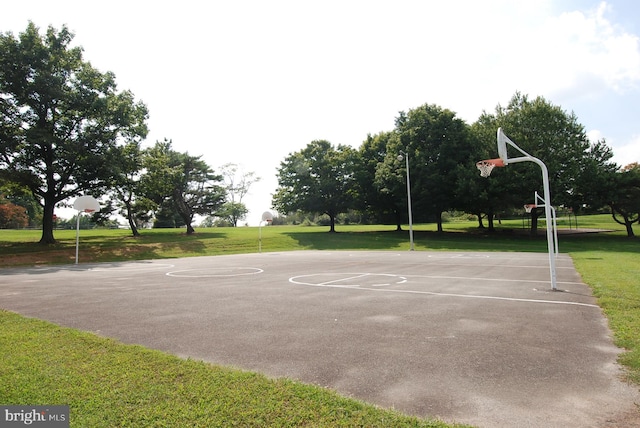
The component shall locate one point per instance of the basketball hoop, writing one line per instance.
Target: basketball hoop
(486, 166)
(86, 204)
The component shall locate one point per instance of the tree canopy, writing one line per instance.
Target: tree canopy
(181, 182)
(318, 179)
(60, 119)
(552, 135)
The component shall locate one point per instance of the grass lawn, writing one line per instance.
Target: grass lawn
(110, 384)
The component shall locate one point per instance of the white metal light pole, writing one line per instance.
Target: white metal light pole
(406, 158)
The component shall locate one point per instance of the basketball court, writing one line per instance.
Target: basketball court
(477, 338)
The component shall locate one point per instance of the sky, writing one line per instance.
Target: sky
(250, 82)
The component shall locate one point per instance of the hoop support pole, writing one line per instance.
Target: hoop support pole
(551, 242)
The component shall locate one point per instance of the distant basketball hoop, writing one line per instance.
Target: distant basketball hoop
(86, 204)
(267, 217)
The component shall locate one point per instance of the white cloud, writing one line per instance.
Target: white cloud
(628, 152)
(589, 52)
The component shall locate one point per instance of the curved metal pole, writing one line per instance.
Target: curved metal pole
(502, 138)
(548, 214)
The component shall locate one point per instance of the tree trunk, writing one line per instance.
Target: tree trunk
(630, 233)
(398, 221)
(534, 222)
(332, 219)
(132, 225)
(440, 221)
(184, 211)
(480, 222)
(47, 222)
(626, 220)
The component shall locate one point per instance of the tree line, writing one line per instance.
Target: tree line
(66, 130)
(442, 151)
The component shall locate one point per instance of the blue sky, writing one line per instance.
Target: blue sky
(249, 82)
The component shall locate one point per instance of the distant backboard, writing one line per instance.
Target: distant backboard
(86, 204)
(267, 216)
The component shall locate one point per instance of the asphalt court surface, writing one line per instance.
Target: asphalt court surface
(477, 338)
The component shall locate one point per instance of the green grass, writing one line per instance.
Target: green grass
(102, 379)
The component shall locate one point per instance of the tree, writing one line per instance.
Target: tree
(230, 213)
(59, 119)
(318, 179)
(437, 142)
(181, 183)
(552, 135)
(12, 216)
(380, 193)
(625, 200)
(127, 187)
(22, 196)
(237, 184)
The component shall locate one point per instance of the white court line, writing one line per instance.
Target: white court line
(180, 273)
(362, 276)
(131, 267)
(470, 296)
(332, 284)
(494, 266)
(491, 279)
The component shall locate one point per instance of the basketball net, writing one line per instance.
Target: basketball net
(486, 166)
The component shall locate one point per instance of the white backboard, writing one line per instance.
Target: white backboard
(86, 204)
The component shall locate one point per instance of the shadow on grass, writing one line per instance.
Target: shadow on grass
(423, 240)
(97, 247)
(467, 239)
(349, 240)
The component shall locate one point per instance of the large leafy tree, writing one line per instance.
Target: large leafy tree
(625, 197)
(60, 119)
(182, 183)
(389, 178)
(126, 186)
(552, 135)
(379, 188)
(318, 179)
(437, 143)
